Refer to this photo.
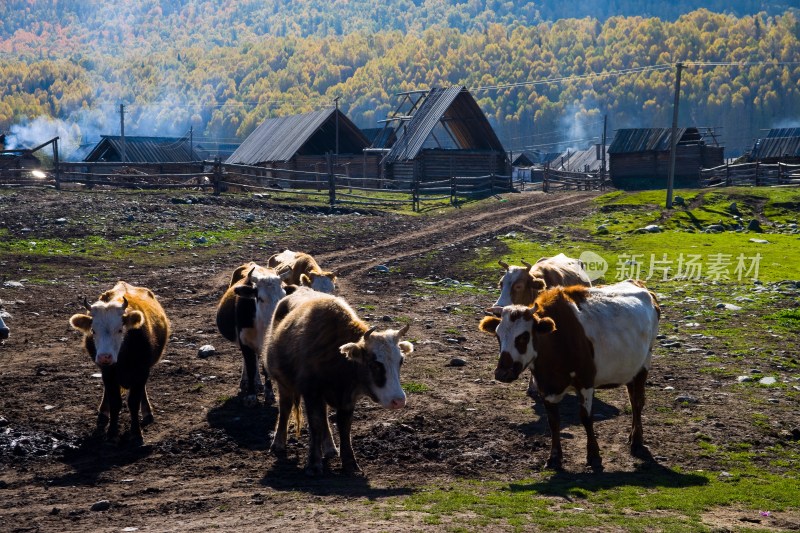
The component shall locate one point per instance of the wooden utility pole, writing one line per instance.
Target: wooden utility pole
(603, 148)
(674, 136)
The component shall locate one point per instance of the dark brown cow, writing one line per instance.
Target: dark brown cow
(244, 315)
(580, 339)
(125, 333)
(299, 268)
(320, 351)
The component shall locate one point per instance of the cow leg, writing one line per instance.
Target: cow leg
(249, 377)
(585, 396)
(554, 421)
(103, 413)
(636, 396)
(112, 400)
(533, 390)
(135, 398)
(317, 421)
(147, 409)
(269, 395)
(344, 421)
(329, 449)
(286, 402)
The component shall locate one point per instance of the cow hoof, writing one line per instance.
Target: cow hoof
(250, 400)
(352, 469)
(147, 420)
(136, 441)
(640, 451)
(278, 450)
(596, 464)
(102, 421)
(112, 437)
(330, 453)
(554, 464)
(269, 397)
(314, 470)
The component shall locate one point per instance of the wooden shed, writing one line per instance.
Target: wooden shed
(302, 142)
(639, 157)
(444, 134)
(781, 145)
(139, 149)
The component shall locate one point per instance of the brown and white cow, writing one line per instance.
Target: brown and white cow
(244, 315)
(299, 268)
(521, 285)
(320, 351)
(125, 333)
(4, 331)
(581, 339)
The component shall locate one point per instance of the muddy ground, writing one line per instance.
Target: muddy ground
(205, 463)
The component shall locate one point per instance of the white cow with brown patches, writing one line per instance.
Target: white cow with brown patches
(581, 339)
(520, 285)
(300, 268)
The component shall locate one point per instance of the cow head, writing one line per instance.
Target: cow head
(517, 287)
(319, 281)
(382, 354)
(264, 286)
(515, 330)
(106, 324)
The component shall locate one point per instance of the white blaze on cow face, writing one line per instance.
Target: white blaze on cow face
(263, 285)
(323, 282)
(383, 353)
(108, 324)
(515, 330)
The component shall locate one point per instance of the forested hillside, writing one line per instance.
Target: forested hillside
(222, 67)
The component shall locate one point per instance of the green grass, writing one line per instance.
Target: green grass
(787, 319)
(627, 501)
(415, 387)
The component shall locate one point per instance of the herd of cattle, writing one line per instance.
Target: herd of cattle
(289, 326)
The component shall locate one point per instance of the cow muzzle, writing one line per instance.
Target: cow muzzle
(397, 403)
(104, 359)
(507, 369)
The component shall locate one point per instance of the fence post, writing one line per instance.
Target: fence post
(544, 180)
(331, 180)
(491, 183)
(56, 166)
(217, 176)
(453, 191)
(727, 175)
(757, 180)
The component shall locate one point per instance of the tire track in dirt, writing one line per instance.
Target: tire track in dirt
(455, 230)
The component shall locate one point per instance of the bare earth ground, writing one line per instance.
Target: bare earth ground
(205, 463)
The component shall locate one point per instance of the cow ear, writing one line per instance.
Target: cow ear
(246, 291)
(289, 289)
(305, 280)
(545, 326)
(406, 347)
(133, 319)
(489, 324)
(331, 275)
(351, 350)
(81, 322)
(537, 285)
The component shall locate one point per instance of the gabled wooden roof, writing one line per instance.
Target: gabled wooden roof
(458, 112)
(280, 139)
(143, 150)
(779, 142)
(633, 140)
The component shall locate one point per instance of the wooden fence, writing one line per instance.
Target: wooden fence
(750, 174)
(559, 180)
(216, 177)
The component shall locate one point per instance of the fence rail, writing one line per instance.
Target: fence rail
(559, 180)
(216, 176)
(756, 174)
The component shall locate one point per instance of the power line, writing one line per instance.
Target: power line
(561, 79)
